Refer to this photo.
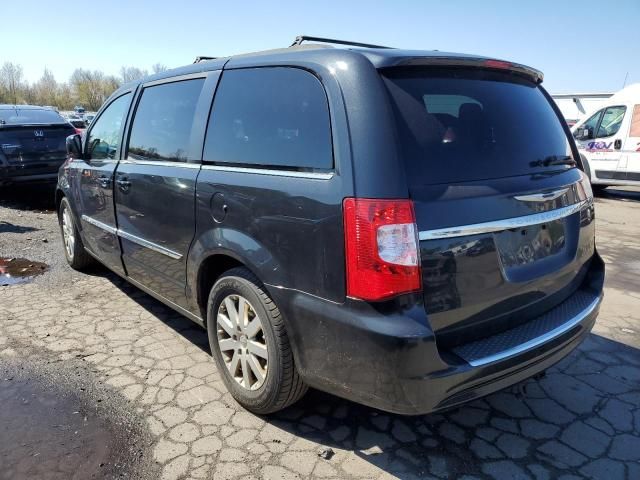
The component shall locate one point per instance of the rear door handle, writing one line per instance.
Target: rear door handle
(123, 183)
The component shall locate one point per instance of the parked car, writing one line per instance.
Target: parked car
(32, 143)
(299, 204)
(609, 140)
(79, 125)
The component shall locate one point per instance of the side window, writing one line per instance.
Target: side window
(611, 121)
(104, 137)
(163, 120)
(592, 123)
(274, 117)
(635, 122)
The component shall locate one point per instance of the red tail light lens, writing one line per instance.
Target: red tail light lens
(381, 248)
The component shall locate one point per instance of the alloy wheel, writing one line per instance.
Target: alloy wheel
(242, 342)
(68, 232)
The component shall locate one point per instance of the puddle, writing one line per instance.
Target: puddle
(44, 434)
(19, 270)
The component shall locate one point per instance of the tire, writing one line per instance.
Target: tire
(77, 257)
(281, 385)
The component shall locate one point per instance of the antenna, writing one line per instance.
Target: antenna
(625, 79)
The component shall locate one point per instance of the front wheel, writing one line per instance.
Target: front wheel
(74, 251)
(250, 345)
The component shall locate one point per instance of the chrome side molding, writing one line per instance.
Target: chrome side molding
(103, 226)
(271, 171)
(128, 236)
(506, 224)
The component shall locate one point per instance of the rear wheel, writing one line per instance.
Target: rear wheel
(250, 345)
(74, 251)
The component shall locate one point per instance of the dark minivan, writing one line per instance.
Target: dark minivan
(407, 229)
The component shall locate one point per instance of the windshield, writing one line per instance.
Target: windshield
(457, 125)
(20, 116)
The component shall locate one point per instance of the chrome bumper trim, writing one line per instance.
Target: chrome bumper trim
(534, 342)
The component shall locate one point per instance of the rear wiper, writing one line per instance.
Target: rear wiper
(554, 160)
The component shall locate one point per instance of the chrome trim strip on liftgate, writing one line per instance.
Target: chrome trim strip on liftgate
(534, 342)
(506, 224)
(140, 241)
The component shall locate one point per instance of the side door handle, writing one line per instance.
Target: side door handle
(104, 181)
(123, 184)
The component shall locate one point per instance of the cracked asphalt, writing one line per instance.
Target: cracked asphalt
(153, 367)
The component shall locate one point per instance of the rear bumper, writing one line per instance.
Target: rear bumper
(387, 357)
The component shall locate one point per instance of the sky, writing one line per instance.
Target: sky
(580, 45)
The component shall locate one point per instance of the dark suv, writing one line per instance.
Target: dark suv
(406, 229)
(32, 143)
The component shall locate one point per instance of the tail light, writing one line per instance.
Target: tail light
(381, 247)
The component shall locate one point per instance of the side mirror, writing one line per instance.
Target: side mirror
(582, 133)
(74, 146)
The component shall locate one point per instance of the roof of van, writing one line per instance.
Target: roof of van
(320, 53)
(629, 92)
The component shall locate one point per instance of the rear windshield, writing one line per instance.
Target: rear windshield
(466, 125)
(19, 116)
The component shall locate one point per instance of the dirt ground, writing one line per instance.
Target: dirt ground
(142, 381)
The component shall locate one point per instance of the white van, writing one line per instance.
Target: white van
(609, 140)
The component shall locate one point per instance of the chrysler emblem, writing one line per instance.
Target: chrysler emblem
(38, 133)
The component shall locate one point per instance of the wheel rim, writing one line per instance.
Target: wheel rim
(242, 342)
(67, 232)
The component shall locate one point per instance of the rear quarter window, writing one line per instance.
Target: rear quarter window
(270, 117)
(457, 125)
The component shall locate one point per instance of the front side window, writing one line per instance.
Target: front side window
(275, 117)
(611, 121)
(162, 124)
(105, 135)
(591, 124)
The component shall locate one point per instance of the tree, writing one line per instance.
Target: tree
(47, 89)
(158, 68)
(91, 88)
(129, 74)
(11, 82)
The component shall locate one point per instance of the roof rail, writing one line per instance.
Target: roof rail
(202, 59)
(302, 38)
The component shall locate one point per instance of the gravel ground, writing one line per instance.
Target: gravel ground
(153, 367)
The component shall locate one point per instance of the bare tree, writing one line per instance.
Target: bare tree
(11, 81)
(129, 74)
(91, 88)
(158, 67)
(46, 89)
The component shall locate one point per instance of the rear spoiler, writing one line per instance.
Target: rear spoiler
(468, 62)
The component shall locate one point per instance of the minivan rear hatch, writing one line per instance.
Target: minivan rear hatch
(505, 217)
